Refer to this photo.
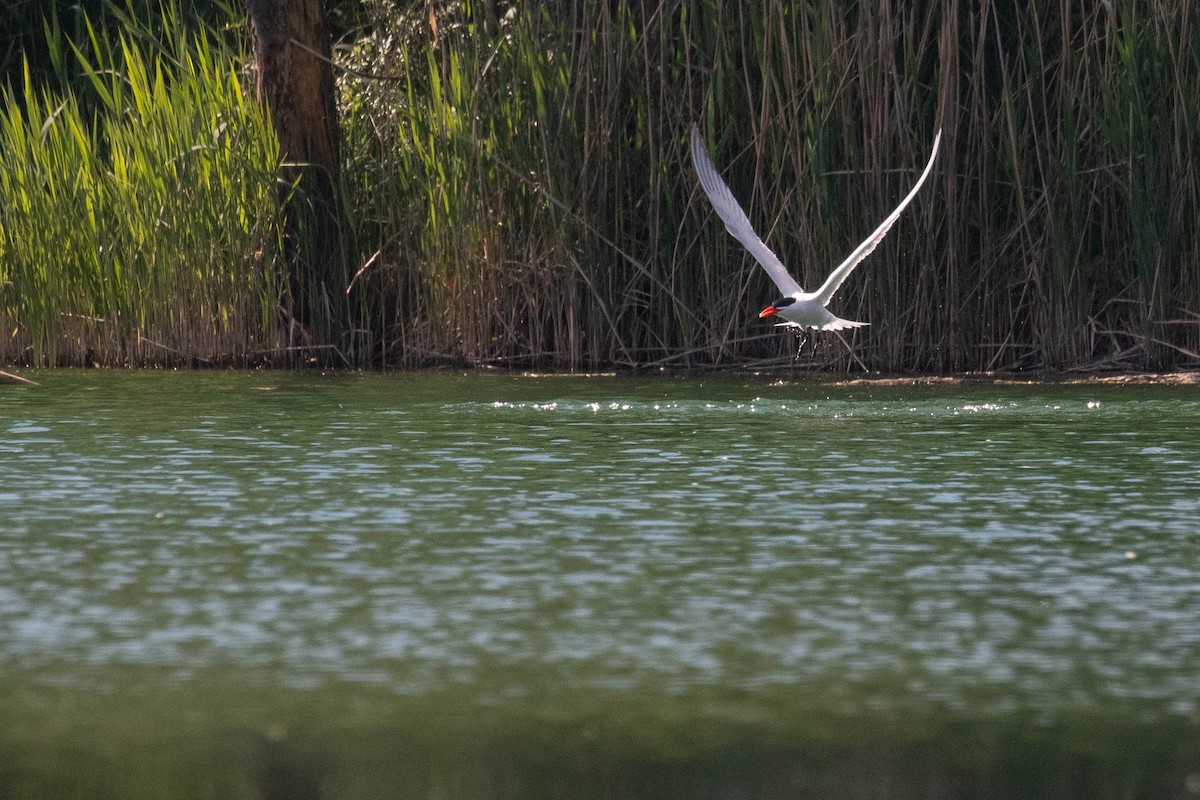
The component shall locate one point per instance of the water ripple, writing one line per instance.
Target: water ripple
(1040, 543)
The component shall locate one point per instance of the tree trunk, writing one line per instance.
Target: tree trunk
(295, 82)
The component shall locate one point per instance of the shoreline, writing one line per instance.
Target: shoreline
(1062, 378)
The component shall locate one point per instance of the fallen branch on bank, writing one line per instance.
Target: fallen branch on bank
(8, 377)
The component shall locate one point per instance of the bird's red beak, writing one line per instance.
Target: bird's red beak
(769, 311)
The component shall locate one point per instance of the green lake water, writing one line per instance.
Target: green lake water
(270, 585)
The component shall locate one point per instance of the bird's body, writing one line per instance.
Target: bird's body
(798, 308)
(805, 310)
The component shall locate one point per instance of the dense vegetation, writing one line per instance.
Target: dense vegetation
(139, 220)
(519, 181)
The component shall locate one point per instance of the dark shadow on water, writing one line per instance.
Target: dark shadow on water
(283, 773)
(354, 766)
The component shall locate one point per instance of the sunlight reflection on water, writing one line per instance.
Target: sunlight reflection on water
(413, 531)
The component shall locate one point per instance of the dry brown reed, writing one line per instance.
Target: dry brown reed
(526, 184)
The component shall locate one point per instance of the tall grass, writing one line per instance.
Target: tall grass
(139, 225)
(527, 197)
(520, 183)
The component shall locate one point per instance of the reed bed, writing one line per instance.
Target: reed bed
(139, 211)
(522, 195)
(526, 196)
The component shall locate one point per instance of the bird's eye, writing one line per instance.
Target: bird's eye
(783, 303)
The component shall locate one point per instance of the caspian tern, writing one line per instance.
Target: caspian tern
(799, 309)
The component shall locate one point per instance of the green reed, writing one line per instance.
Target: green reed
(139, 213)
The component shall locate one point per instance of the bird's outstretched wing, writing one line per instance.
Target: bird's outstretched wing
(738, 224)
(825, 293)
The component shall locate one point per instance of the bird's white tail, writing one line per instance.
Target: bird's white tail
(839, 324)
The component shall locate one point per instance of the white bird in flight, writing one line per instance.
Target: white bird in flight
(799, 309)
